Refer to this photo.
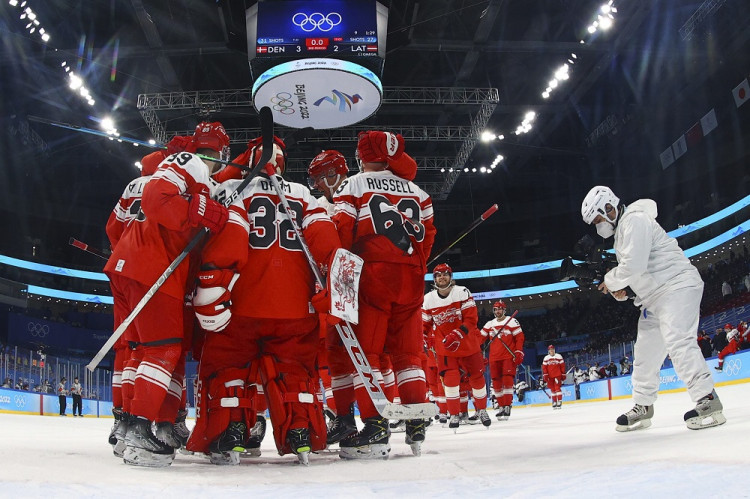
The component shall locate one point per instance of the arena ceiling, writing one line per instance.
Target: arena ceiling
(453, 69)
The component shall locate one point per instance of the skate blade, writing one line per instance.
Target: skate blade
(375, 451)
(303, 458)
(253, 452)
(473, 422)
(136, 456)
(640, 425)
(227, 458)
(398, 429)
(707, 421)
(416, 448)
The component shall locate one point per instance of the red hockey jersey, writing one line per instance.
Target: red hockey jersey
(444, 315)
(275, 277)
(384, 218)
(510, 335)
(150, 244)
(553, 366)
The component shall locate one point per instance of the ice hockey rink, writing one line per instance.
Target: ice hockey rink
(574, 452)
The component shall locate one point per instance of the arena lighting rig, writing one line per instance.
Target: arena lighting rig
(699, 249)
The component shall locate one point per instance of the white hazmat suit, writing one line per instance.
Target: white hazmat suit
(668, 289)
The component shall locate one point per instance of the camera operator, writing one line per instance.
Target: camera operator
(668, 290)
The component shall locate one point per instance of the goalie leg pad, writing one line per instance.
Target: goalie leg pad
(292, 403)
(223, 397)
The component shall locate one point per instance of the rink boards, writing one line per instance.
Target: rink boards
(736, 370)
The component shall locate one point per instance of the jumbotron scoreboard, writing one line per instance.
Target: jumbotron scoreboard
(317, 63)
(353, 30)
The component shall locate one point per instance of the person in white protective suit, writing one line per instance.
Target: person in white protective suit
(668, 290)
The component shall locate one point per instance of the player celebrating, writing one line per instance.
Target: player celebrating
(553, 374)
(272, 339)
(176, 204)
(451, 312)
(387, 220)
(733, 340)
(506, 354)
(326, 172)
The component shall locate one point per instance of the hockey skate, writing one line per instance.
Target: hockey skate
(719, 368)
(473, 419)
(454, 423)
(416, 430)
(174, 434)
(340, 428)
(398, 426)
(371, 442)
(257, 433)
(637, 418)
(707, 413)
(463, 418)
(143, 448)
(503, 414)
(443, 419)
(299, 441)
(557, 405)
(119, 434)
(226, 449)
(484, 418)
(117, 413)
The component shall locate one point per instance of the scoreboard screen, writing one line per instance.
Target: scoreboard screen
(295, 29)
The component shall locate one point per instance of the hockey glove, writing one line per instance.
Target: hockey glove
(212, 301)
(204, 211)
(379, 146)
(178, 143)
(321, 302)
(518, 359)
(452, 340)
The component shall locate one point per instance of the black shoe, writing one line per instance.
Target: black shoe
(375, 431)
(341, 427)
(140, 436)
(233, 438)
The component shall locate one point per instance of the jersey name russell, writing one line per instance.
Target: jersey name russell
(389, 184)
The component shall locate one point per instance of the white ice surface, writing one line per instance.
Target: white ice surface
(574, 452)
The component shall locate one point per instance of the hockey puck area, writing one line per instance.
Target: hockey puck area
(539, 451)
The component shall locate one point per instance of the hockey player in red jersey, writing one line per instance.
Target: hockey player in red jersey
(450, 311)
(553, 371)
(269, 332)
(176, 204)
(326, 172)
(387, 220)
(733, 344)
(127, 209)
(506, 354)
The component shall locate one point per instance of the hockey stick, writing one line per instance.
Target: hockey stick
(88, 249)
(266, 125)
(544, 389)
(487, 346)
(385, 407)
(129, 140)
(484, 216)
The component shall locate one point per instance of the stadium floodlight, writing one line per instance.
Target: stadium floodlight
(487, 136)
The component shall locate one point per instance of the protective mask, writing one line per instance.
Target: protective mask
(605, 229)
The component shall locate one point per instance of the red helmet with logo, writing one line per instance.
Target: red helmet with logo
(327, 165)
(278, 158)
(212, 136)
(499, 304)
(442, 268)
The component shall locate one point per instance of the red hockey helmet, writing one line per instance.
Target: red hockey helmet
(499, 304)
(442, 268)
(551, 347)
(328, 165)
(212, 136)
(728, 326)
(278, 158)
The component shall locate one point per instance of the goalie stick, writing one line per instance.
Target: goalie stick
(484, 216)
(385, 407)
(266, 126)
(88, 249)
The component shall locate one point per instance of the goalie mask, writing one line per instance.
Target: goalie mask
(212, 136)
(328, 167)
(278, 158)
(595, 203)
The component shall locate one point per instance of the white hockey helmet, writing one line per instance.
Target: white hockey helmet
(595, 201)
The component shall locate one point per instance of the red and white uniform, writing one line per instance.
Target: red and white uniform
(388, 221)
(443, 315)
(273, 334)
(506, 353)
(733, 344)
(140, 256)
(553, 370)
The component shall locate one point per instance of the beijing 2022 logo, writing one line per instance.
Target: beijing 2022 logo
(340, 99)
(316, 20)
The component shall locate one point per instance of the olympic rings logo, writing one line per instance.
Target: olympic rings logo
(316, 20)
(282, 102)
(37, 330)
(590, 390)
(20, 401)
(733, 367)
